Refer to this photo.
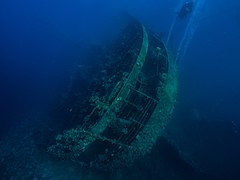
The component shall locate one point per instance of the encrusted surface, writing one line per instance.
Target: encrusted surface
(128, 112)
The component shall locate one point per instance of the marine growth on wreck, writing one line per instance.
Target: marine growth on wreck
(127, 104)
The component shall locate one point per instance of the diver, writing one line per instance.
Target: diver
(185, 9)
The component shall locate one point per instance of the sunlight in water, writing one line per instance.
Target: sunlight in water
(190, 30)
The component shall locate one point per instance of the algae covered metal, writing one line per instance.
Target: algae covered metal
(131, 100)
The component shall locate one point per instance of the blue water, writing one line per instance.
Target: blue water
(42, 41)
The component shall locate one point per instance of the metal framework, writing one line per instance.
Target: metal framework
(128, 108)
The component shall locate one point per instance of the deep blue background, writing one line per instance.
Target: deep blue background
(40, 39)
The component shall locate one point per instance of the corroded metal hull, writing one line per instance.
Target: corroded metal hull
(131, 102)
